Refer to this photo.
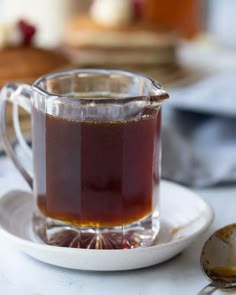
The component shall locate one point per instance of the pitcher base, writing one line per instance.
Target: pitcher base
(57, 233)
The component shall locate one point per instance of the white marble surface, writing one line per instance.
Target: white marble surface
(20, 274)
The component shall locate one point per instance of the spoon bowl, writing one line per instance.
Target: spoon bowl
(218, 258)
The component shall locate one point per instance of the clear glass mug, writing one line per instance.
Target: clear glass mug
(96, 156)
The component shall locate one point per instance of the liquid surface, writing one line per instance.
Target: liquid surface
(223, 272)
(95, 173)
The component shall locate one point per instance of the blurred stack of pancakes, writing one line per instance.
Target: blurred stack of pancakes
(114, 34)
(90, 44)
(21, 62)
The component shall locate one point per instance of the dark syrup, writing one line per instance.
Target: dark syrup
(95, 173)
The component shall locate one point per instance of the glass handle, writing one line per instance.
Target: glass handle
(18, 95)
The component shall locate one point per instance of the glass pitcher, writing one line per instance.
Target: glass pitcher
(96, 156)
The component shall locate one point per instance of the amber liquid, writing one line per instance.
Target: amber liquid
(185, 17)
(95, 173)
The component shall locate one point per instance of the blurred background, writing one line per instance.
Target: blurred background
(187, 45)
(171, 37)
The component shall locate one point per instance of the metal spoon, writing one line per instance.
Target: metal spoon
(218, 260)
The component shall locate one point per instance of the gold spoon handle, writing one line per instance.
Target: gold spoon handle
(210, 289)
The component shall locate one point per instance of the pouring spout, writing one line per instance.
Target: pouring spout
(159, 98)
(154, 100)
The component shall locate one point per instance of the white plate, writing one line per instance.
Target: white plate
(184, 216)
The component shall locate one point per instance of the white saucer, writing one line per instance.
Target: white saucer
(184, 216)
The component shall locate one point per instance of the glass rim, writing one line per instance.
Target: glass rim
(156, 86)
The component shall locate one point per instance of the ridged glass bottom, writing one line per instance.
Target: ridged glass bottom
(56, 233)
